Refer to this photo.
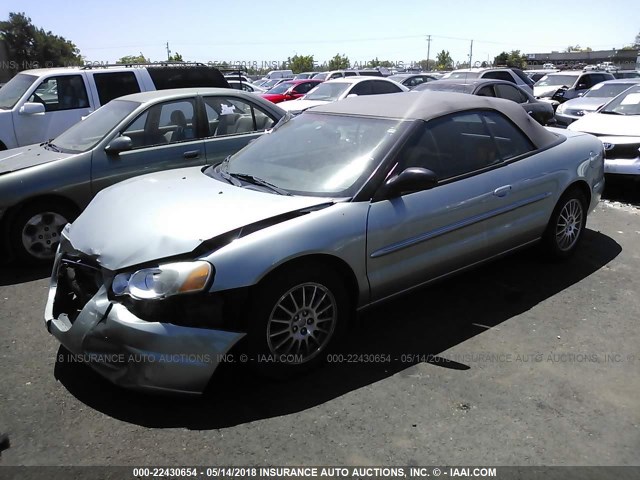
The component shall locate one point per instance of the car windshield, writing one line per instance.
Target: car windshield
(283, 87)
(328, 92)
(607, 90)
(556, 80)
(627, 103)
(320, 76)
(14, 89)
(463, 75)
(86, 134)
(317, 154)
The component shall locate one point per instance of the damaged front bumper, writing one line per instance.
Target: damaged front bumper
(131, 352)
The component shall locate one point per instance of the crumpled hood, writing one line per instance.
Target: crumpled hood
(300, 105)
(545, 91)
(170, 213)
(606, 124)
(28, 156)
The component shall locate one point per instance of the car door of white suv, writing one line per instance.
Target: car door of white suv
(65, 101)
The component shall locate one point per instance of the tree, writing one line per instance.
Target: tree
(444, 61)
(577, 48)
(301, 63)
(379, 63)
(32, 47)
(176, 57)
(427, 65)
(133, 59)
(339, 62)
(513, 59)
(501, 59)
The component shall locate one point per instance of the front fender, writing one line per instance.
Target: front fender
(338, 230)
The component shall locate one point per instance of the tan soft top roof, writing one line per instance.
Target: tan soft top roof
(428, 105)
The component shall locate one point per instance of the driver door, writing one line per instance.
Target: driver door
(164, 136)
(65, 102)
(420, 236)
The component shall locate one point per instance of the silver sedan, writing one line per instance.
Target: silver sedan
(336, 210)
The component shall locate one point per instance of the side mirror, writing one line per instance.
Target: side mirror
(31, 108)
(410, 180)
(119, 144)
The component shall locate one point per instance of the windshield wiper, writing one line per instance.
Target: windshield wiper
(51, 146)
(611, 112)
(259, 181)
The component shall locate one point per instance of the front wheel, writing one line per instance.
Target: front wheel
(35, 231)
(566, 225)
(298, 316)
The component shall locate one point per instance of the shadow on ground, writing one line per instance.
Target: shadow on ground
(13, 274)
(624, 190)
(428, 322)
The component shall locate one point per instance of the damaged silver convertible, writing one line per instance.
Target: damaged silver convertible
(337, 209)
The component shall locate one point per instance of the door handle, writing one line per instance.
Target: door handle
(502, 191)
(192, 154)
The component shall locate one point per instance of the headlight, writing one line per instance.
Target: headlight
(164, 280)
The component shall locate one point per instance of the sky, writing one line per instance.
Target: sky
(263, 32)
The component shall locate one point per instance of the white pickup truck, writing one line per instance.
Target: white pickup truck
(38, 105)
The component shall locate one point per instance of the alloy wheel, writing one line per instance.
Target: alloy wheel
(302, 322)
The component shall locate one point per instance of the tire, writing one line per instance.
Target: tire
(566, 225)
(290, 331)
(35, 231)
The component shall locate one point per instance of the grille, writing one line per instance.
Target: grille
(629, 150)
(78, 282)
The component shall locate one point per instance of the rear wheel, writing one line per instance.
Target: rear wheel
(36, 228)
(298, 316)
(566, 225)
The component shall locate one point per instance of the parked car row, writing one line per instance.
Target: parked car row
(45, 186)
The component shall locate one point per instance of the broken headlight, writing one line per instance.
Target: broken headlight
(163, 281)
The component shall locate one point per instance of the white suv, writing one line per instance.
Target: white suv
(37, 105)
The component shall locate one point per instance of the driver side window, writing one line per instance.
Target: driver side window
(64, 92)
(452, 146)
(165, 123)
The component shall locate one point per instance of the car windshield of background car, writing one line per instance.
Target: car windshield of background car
(282, 88)
(610, 90)
(556, 80)
(14, 89)
(328, 92)
(625, 104)
(85, 134)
